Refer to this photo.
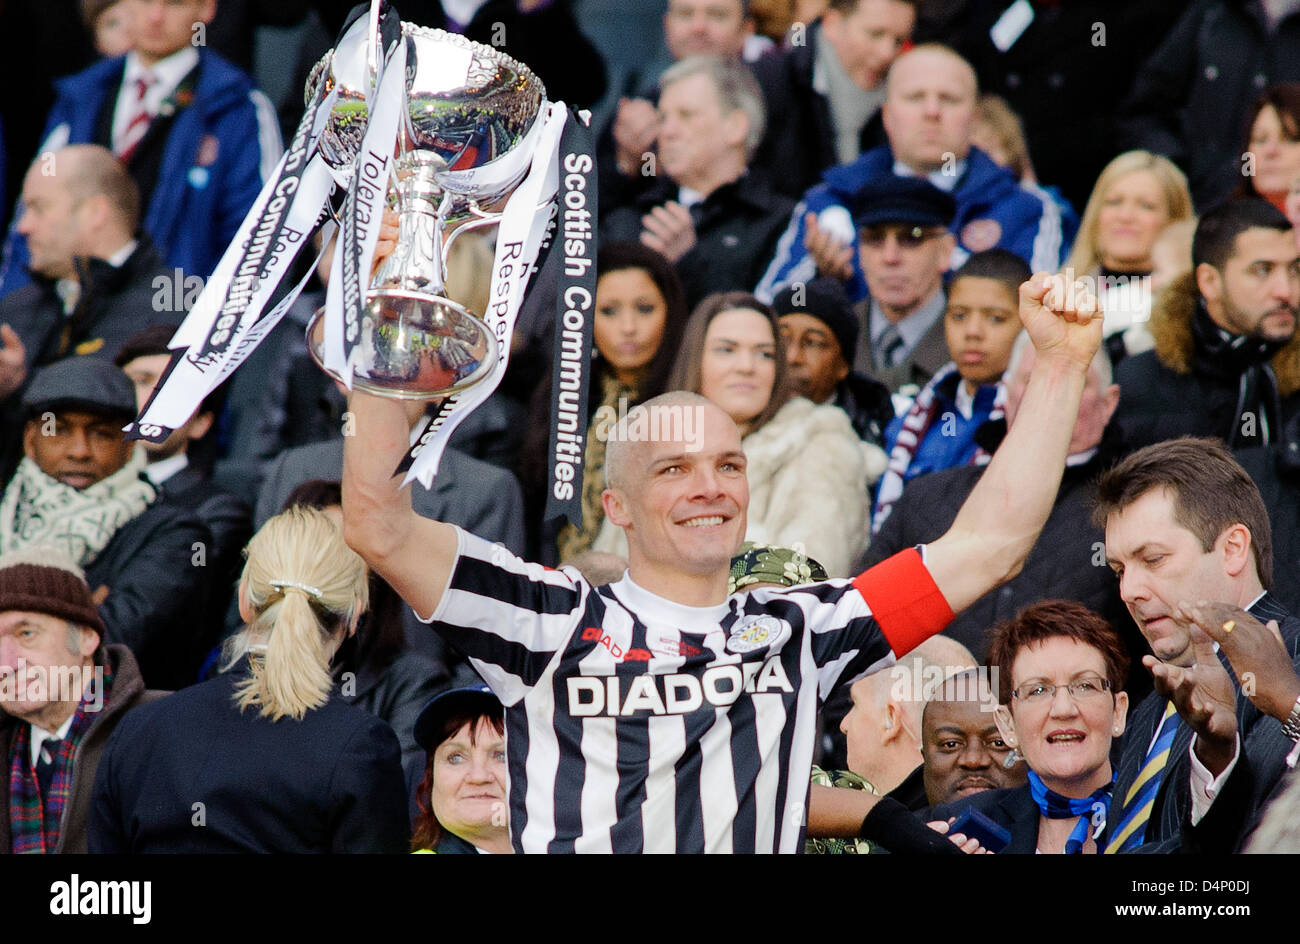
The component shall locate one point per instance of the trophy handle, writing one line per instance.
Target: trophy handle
(482, 220)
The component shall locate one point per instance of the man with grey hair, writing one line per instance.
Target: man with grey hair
(62, 692)
(1068, 561)
(705, 212)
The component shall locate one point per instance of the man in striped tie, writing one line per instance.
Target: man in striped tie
(1184, 523)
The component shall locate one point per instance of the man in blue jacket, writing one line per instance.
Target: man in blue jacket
(928, 114)
(197, 137)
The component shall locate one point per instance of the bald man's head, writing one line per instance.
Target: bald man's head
(673, 417)
(883, 729)
(78, 201)
(675, 482)
(89, 170)
(929, 108)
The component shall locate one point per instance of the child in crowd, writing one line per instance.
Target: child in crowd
(940, 429)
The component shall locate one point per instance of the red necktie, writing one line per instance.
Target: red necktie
(135, 131)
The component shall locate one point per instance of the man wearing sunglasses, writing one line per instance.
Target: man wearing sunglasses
(904, 246)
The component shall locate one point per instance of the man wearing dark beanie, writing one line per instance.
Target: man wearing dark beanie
(62, 692)
(820, 331)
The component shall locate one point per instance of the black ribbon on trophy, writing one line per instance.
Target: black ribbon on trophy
(458, 137)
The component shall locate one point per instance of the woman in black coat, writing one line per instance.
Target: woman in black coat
(266, 757)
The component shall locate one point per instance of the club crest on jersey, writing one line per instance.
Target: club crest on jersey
(753, 632)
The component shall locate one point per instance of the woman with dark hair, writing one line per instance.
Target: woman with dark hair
(462, 803)
(1272, 145)
(375, 669)
(640, 310)
(1061, 668)
(808, 471)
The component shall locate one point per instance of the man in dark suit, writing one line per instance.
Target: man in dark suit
(181, 467)
(705, 212)
(1184, 523)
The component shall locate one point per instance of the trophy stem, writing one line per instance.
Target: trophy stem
(418, 262)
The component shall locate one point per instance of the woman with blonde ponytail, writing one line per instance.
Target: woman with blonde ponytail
(266, 757)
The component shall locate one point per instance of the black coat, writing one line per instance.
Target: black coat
(1192, 98)
(1276, 472)
(230, 522)
(158, 578)
(191, 773)
(736, 230)
(1065, 562)
(799, 140)
(868, 403)
(1063, 76)
(1191, 382)
(1158, 403)
(1012, 808)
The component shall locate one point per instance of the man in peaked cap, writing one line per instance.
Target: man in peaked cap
(79, 487)
(904, 245)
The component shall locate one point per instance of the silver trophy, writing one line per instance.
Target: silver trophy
(464, 145)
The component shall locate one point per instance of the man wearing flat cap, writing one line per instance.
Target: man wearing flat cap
(79, 487)
(820, 330)
(62, 692)
(905, 246)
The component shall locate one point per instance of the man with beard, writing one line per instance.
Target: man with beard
(1226, 360)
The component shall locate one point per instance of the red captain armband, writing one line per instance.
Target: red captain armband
(904, 599)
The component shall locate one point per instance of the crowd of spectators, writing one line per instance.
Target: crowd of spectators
(818, 217)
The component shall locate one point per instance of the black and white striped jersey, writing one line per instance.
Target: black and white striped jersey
(636, 724)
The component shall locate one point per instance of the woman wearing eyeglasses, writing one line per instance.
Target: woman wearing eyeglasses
(1061, 669)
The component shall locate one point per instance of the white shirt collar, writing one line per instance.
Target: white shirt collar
(1079, 458)
(689, 619)
(688, 197)
(118, 259)
(164, 469)
(167, 72)
(40, 736)
(945, 182)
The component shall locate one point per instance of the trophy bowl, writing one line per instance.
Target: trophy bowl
(414, 346)
(465, 141)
